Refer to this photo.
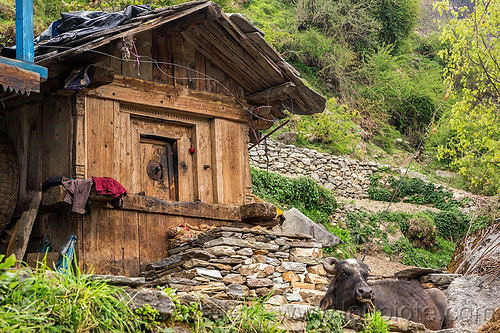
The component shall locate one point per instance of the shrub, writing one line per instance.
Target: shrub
(303, 193)
(437, 257)
(329, 321)
(398, 18)
(452, 224)
(375, 323)
(332, 128)
(422, 232)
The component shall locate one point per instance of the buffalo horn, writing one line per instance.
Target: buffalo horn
(329, 263)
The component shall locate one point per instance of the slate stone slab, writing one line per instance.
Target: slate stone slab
(155, 298)
(296, 222)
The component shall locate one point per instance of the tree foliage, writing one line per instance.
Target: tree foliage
(469, 136)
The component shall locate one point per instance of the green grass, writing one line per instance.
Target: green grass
(46, 301)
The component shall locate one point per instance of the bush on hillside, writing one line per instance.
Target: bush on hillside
(303, 193)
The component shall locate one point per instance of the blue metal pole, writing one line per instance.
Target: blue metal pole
(24, 31)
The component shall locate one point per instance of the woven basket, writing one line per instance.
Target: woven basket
(9, 181)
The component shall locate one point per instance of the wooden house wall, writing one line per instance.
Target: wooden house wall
(42, 134)
(98, 133)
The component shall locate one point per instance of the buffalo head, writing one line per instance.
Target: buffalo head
(348, 290)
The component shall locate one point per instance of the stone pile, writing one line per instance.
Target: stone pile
(230, 263)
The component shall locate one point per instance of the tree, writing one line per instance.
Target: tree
(469, 136)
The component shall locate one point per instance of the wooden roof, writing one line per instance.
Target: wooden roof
(228, 40)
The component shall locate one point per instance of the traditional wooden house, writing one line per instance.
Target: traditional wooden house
(165, 109)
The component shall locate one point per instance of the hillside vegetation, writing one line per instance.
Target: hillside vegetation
(386, 68)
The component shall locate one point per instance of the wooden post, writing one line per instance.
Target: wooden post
(25, 226)
(24, 31)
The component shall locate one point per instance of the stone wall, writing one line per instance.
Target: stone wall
(345, 177)
(229, 263)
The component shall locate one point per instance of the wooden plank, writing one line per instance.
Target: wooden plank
(217, 138)
(225, 59)
(180, 67)
(201, 82)
(54, 196)
(25, 226)
(19, 80)
(203, 162)
(131, 243)
(247, 178)
(143, 46)
(122, 147)
(151, 94)
(232, 163)
(223, 27)
(279, 92)
(185, 169)
(154, 242)
(57, 124)
(100, 139)
(163, 70)
(79, 139)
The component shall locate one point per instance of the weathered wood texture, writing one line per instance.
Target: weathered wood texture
(25, 226)
(42, 135)
(17, 79)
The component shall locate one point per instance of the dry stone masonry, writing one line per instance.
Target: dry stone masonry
(229, 263)
(344, 176)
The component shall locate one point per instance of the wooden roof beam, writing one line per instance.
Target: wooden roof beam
(276, 93)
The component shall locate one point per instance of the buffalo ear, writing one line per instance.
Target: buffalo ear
(329, 265)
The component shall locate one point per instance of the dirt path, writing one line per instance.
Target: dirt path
(381, 266)
(377, 206)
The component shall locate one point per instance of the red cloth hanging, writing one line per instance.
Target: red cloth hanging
(109, 186)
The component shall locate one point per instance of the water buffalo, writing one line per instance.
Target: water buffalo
(350, 291)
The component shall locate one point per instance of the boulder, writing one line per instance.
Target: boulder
(155, 298)
(296, 222)
(472, 301)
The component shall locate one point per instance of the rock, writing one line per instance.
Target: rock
(312, 297)
(416, 272)
(260, 252)
(317, 269)
(471, 301)
(157, 299)
(210, 274)
(260, 292)
(293, 297)
(234, 279)
(245, 252)
(443, 279)
(273, 261)
(221, 251)
(306, 252)
(259, 283)
(120, 280)
(236, 290)
(445, 174)
(211, 287)
(210, 307)
(302, 285)
(405, 326)
(186, 282)
(295, 311)
(316, 279)
(295, 222)
(276, 300)
(258, 211)
(306, 260)
(294, 266)
(290, 276)
(280, 288)
(287, 137)
(258, 270)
